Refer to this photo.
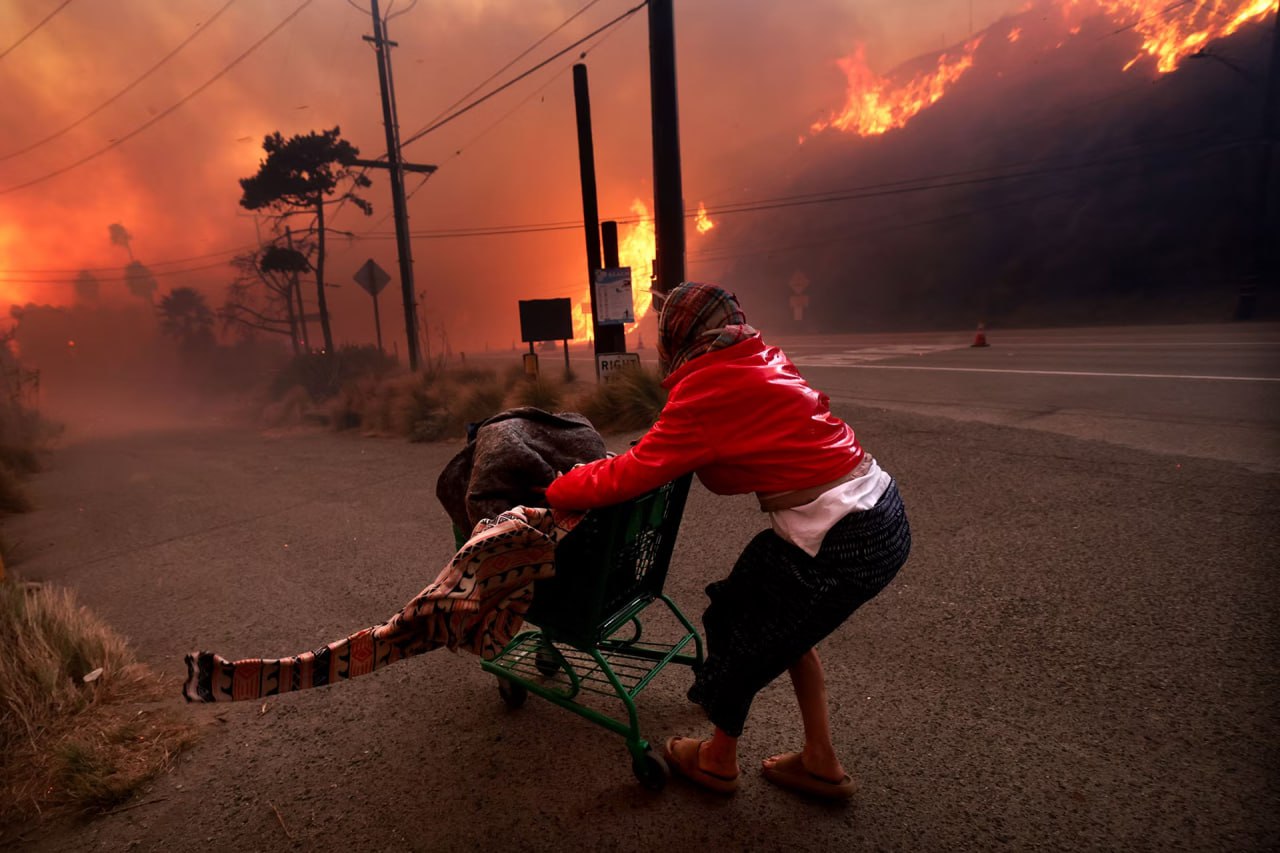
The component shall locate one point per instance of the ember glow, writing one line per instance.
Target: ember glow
(1168, 34)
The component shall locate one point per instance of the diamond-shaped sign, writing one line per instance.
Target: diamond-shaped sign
(372, 277)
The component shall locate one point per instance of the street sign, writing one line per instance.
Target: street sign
(614, 305)
(610, 365)
(546, 320)
(372, 277)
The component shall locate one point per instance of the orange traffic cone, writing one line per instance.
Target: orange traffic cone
(980, 339)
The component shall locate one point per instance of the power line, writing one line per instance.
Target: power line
(719, 253)
(153, 273)
(32, 31)
(507, 85)
(896, 187)
(458, 152)
(227, 253)
(866, 191)
(516, 59)
(109, 101)
(163, 113)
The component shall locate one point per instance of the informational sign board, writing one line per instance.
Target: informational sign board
(610, 365)
(372, 277)
(614, 306)
(546, 320)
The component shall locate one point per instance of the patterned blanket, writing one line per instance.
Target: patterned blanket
(477, 604)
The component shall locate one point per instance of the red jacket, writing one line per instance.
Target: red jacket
(742, 417)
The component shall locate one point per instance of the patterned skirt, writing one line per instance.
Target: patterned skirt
(779, 602)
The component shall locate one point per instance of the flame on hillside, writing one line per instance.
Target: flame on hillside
(1172, 33)
(876, 104)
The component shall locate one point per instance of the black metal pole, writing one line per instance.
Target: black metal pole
(377, 321)
(396, 172)
(668, 192)
(609, 237)
(590, 207)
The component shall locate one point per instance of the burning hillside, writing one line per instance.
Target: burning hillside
(1077, 162)
(1169, 34)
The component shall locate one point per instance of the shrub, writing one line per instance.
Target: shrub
(540, 393)
(324, 375)
(631, 401)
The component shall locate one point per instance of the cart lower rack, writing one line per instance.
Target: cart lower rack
(589, 639)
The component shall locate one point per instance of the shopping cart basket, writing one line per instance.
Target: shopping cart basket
(609, 569)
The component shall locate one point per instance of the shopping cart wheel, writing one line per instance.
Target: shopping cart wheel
(513, 694)
(651, 770)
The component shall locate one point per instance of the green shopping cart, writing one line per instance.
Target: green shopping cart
(588, 641)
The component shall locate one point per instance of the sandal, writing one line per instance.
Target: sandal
(684, 760)
(788, 771)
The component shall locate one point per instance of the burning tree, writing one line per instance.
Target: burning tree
(304, 173)
(262, 296)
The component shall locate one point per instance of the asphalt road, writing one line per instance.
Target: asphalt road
(1081, 653)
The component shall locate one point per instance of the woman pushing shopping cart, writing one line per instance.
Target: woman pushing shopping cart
(742, 418)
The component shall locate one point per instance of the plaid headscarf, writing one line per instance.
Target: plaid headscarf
(696, 319)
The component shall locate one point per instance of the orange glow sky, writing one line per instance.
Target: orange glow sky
(752, 74)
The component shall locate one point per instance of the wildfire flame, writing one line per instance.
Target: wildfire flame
(636, 250)
(1170, 35)
(878, 104)
(703, 222)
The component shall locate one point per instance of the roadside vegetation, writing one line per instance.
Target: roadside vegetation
(75, 734)
(76, 731)
(359, 389)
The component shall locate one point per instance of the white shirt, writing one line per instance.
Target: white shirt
(806, 526)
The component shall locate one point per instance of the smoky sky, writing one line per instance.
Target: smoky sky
(753, 76)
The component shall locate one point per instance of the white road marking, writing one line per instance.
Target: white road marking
(1053, 372)
(855, 357)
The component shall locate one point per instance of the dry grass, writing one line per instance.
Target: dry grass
(630, 402)
(418, 406)
(72, 746)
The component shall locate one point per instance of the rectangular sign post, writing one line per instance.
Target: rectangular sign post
(613, 297)
(373, 278)
(545, 320)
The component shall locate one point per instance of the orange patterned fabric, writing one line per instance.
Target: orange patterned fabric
(476, 604)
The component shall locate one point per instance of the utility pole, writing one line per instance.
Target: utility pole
(396, 168)
(668, 191)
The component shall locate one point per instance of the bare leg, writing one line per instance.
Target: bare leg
(719, 754)
(819, 754)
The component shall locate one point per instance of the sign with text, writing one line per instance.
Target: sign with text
(610, 365)
(545, 320)
(614, 306)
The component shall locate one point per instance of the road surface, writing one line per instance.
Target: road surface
(1080, 654)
